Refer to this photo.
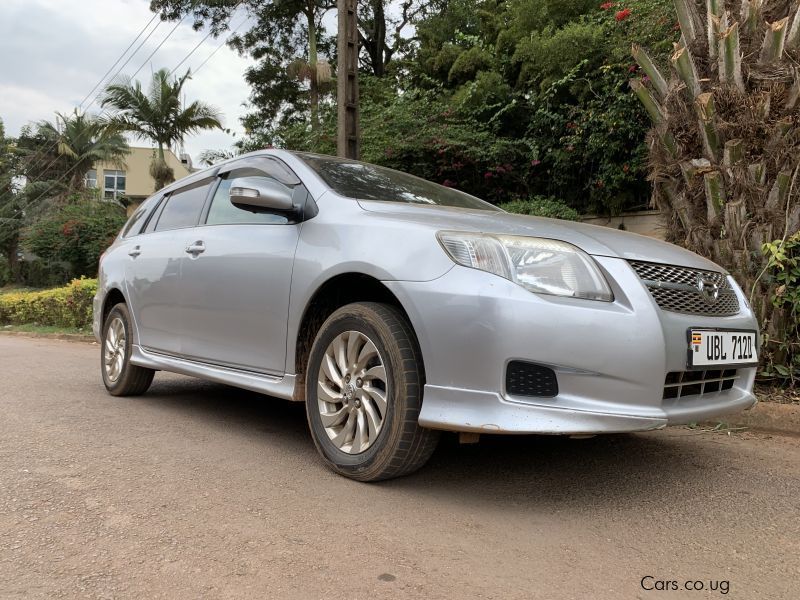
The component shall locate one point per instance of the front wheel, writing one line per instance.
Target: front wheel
(120, 377)
(364, 392)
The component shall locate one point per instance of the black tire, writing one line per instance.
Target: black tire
(132, 380)
(401, 446)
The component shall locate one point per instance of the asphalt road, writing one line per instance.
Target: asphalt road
(198, 490)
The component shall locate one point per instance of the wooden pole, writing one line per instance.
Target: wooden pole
(348, 129)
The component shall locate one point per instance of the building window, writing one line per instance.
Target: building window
(114, 184)
(90, 181)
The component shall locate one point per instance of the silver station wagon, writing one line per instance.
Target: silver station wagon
(396, 308)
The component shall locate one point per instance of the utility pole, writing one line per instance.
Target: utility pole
(348, 130)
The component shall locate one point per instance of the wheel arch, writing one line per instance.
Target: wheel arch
(338, 291)
(113, 297)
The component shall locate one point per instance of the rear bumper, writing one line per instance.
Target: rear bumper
(97, 314)
(610, 358)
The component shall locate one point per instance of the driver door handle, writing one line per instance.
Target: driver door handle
(197, 248)
(136, 251)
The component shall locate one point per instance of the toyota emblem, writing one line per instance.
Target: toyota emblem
(708, 288)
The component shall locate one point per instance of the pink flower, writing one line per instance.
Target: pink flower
(488, 175)
(535, 162)
(607, 5)
(623, 14)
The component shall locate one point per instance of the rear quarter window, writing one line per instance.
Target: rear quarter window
(135, 223)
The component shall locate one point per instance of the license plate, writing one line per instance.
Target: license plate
(709, 347)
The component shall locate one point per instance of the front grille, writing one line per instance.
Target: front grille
(677, 289)
(528, 379)
(696, 383)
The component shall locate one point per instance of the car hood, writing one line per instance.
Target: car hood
(592, 239)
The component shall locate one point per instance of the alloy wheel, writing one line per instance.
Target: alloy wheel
(352, 392)
(114, 349)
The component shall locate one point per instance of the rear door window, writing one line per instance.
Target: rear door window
(183, 208)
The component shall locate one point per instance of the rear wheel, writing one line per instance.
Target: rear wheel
(364, 393)
(120, 377)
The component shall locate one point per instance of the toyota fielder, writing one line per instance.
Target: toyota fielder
(396, 308)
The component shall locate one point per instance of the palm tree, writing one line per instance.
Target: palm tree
(83, 140)
(158, 115)
(725, 143)
(211, 157)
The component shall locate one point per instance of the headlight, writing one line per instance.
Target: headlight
(540, 265)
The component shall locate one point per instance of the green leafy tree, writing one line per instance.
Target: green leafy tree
(293, 51)
(285, 39)
(382, 30)
(158, 115)
(10, 206)
(474, 107)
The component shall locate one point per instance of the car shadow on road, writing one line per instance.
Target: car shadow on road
(608, 471)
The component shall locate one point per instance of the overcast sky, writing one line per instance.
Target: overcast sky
(53, 52)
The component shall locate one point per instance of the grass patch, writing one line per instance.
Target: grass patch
(46, 329)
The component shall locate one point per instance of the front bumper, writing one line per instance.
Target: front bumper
(610, 358)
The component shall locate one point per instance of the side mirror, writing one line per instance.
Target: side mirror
(251, 193)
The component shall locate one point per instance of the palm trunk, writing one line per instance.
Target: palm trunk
(312, 66)
(379, 64)
(12, 247)
(161, 172)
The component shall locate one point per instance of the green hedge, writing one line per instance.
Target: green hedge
(542, 206)
(68, 306)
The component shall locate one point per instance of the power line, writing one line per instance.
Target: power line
(185, 58)
(111, 68)
(106, 111)
(208, 35)
(218, 48)
(146, 60)
(65, 174)
(139, 47)
(43, 157)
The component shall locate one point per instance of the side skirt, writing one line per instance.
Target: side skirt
(282, 387)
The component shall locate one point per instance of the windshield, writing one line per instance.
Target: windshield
(363, 181)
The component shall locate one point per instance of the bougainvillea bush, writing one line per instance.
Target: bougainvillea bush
(76, 233)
